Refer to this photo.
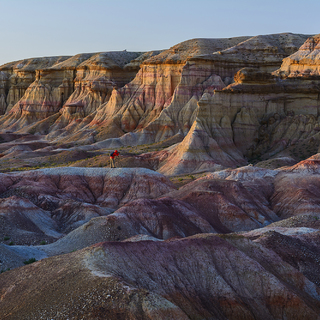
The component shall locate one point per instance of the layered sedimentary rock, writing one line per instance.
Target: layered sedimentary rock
(162, 98)
(264, 52)
(43, 204)
(95, 79)
(204, 276)
(291, 191)
(234, 244)
(26, 222)
(160, 74)
(249, 275)
(126, 203)
(80, 83)
(200, 75)
(257, 117)
(17, 76)
(87, 98)
(303, 63)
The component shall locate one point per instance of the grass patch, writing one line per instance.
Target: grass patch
(2, 271)
(31, 260)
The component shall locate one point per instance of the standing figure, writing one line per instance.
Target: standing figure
(114, 154)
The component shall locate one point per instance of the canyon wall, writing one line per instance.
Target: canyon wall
(269, 114)
(264, 52)
(261, 115)
(73, 86)
(200, 72)
(17, 76)
(115, 99)
(164, 81)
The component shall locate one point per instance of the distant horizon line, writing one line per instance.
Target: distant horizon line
(145, 51)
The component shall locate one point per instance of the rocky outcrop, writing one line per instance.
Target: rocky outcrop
(280, 258)
(40, 205)
(90, 97)
(22, 222)
(234, 244)
(205, 276)
(162, 98)
(95, 79)
(297, 192)
(178, 94)
(253, 119)
(200, 75)
(19, 75)
(291, 191)
(303, 63)
(264, 52)
(226, 201)
(223, 125)
(80, 84)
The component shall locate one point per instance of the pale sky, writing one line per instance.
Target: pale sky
(37, 28)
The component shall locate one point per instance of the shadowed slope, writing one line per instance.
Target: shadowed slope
(198, 277)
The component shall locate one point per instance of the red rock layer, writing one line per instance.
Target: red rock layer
(43, 204)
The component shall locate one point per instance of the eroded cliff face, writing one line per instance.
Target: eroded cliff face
(257, 117)
(174, 112)
(166, 81)
(17, 76)
(305, 62)
(74, 87)
(83, 91)
(126, 99)
(264, 52)
(240, 243)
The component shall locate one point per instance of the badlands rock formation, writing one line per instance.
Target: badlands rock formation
(231, 125)
(89, 98)
(200, 75)
(262, 273)
(263, 52)
(303, 63)
(17, 76)
(80, 83)
(47, 204)
(43, 204)
(201, 277)
(234, 241)
(259, 116)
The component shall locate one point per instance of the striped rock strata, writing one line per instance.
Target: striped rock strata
(303, 63)
(201, 75)
(44, 204)
(178, 93)
(257, 117)
(226, 201)
(205, 276)
(17, 76)
(161, 100)
(80, 83)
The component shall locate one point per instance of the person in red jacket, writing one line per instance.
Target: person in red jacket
(114, 154)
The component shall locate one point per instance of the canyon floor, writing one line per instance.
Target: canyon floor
(213, 209)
